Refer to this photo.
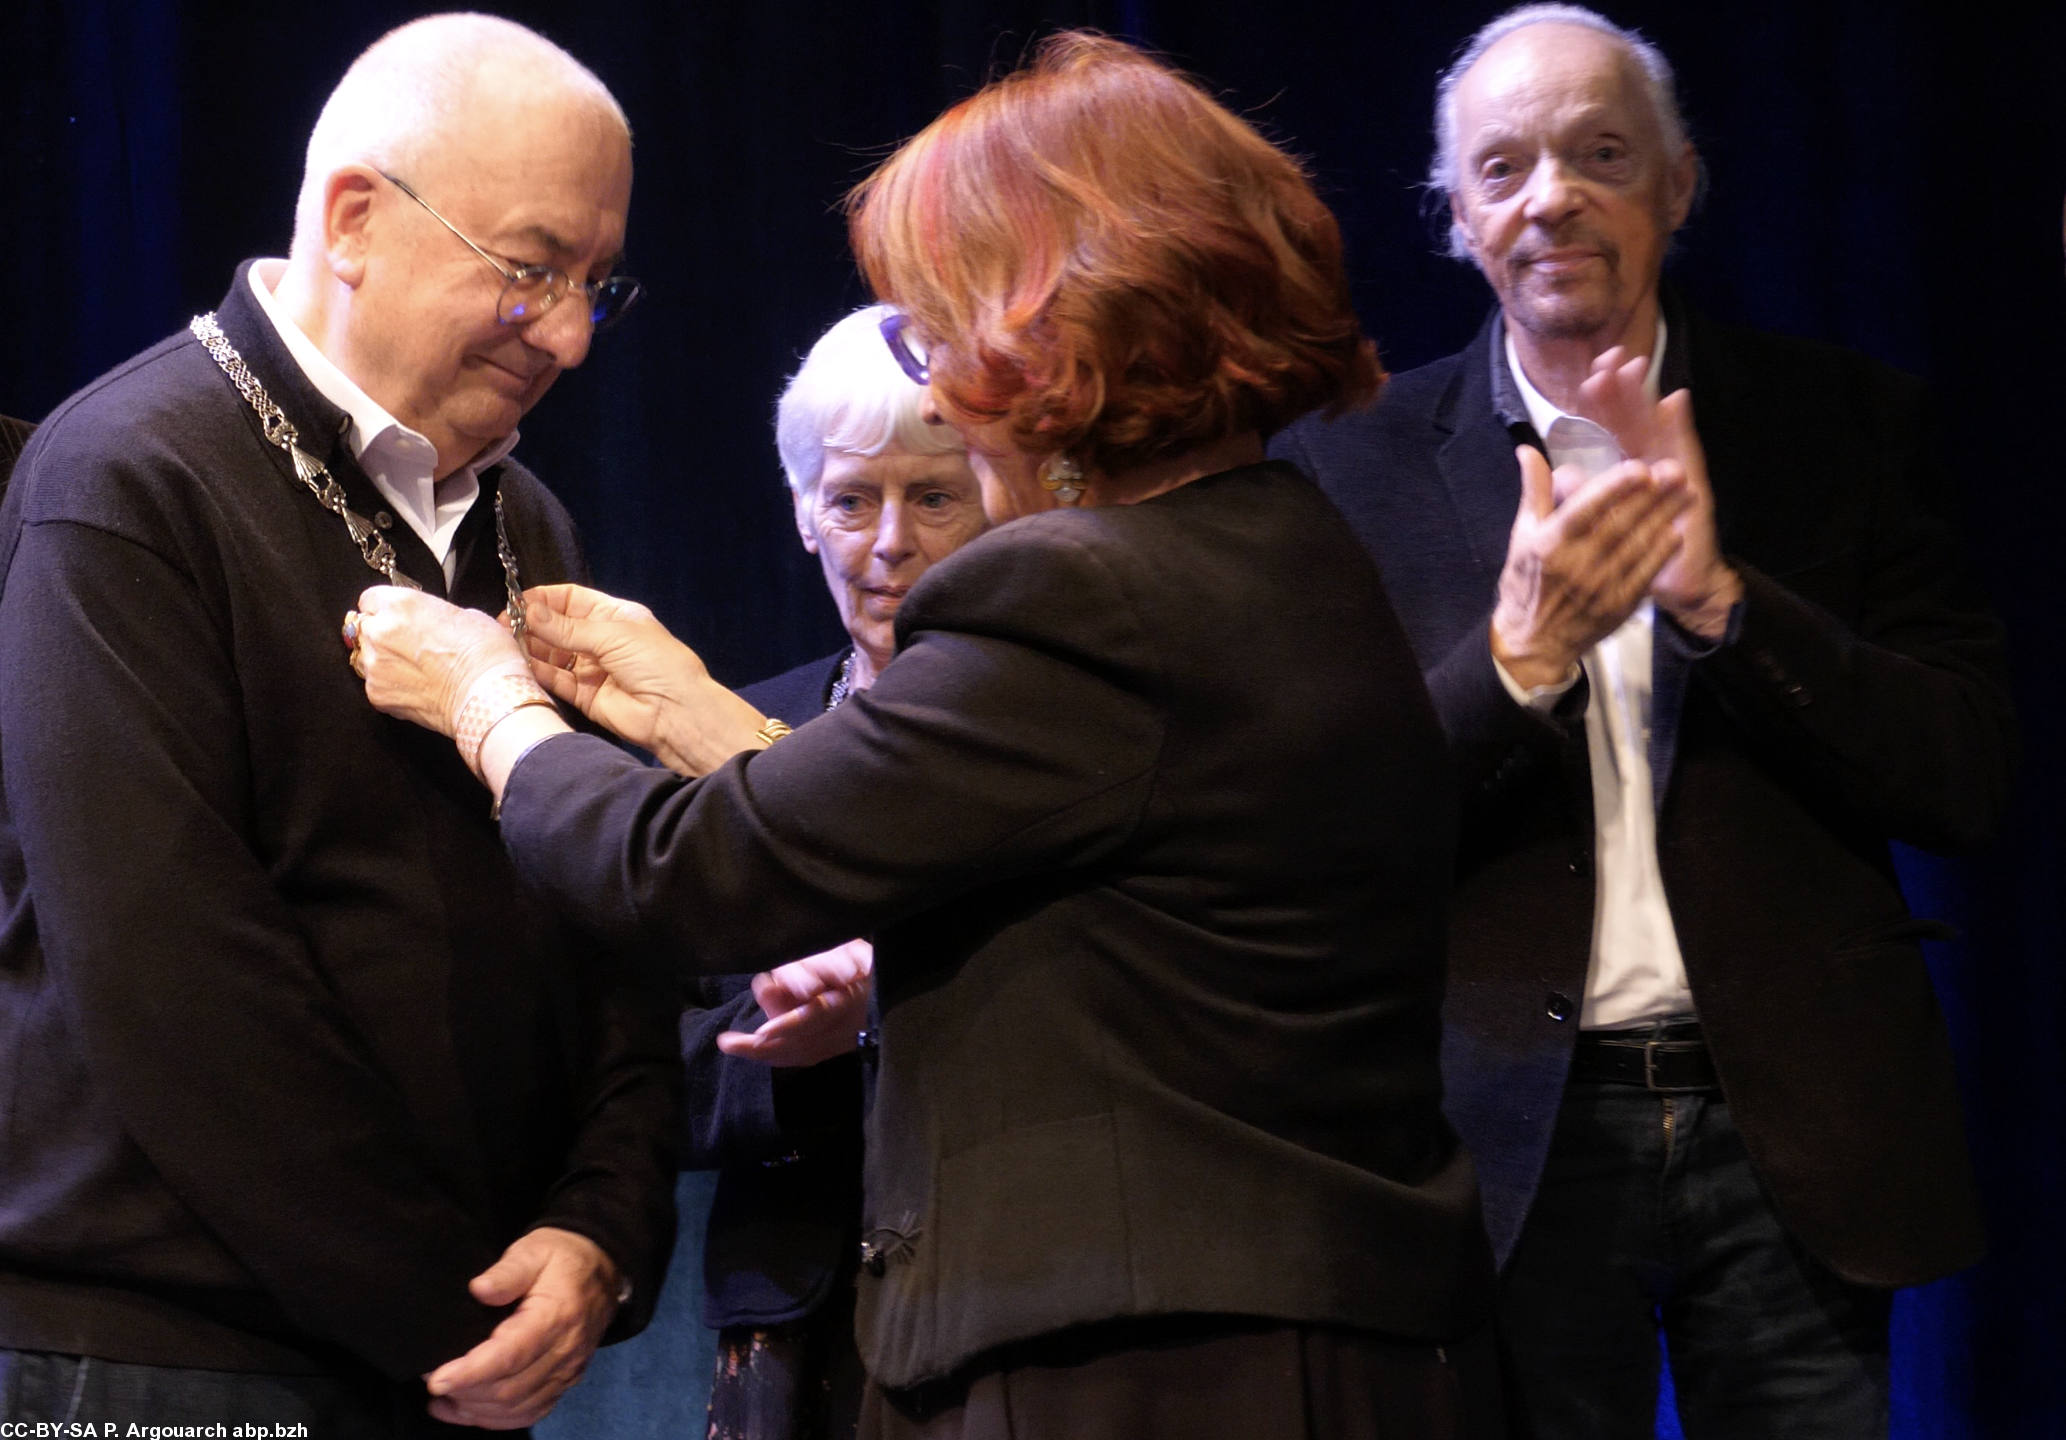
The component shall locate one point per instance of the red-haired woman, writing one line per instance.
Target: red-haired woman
(1149, 818)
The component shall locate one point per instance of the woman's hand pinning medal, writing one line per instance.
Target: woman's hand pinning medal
(620, 667)
(461, 673)
(421, 656)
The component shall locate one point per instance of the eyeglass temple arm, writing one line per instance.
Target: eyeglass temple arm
(492, 262)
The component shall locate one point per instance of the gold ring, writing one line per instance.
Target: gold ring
(351, 629)
(358, 664)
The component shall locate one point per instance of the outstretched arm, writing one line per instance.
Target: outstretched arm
(992, 748)
(459, 673)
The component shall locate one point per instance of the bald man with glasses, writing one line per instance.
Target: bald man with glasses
(313, 1117)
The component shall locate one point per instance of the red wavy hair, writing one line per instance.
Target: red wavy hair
(1101, 254)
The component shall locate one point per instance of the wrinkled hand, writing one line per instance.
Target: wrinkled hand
(816, 1008)
(621, 668)
(565, 1291)
(1696, 586)
(421, 655)
(1576, 570)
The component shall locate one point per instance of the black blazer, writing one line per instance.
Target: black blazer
(1860, 698)
(1151, 823)
(786, 1143)
(290, 1056)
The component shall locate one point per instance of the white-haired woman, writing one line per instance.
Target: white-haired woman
(880, 497)
(775, 1103)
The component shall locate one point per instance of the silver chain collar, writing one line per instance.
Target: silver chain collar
(510, 581)
(373, 546)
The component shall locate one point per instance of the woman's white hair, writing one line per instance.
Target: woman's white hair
(1659, 84)
(403, 97)
(852, 396)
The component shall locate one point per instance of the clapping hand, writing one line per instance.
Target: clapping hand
(1696, 586)
(816, 1008)
(621, 668)
(1581, 557)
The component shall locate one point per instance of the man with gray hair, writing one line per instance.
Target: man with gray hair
(1695, 681)
(313, 1117)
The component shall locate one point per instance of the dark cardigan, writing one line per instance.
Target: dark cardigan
(1151, 822)
(291, 1057)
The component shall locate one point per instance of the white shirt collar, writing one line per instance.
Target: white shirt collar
(398, 460)
(1543, 415)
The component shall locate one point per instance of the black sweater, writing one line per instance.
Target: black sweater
(289, 1055)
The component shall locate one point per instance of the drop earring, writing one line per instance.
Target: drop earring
(1062, 478)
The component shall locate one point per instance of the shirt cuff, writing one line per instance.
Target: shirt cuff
(1541, 698)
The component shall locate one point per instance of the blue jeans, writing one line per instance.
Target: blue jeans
(39, 1387)
(1649, 1216)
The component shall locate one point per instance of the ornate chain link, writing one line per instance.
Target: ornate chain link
(511, 581)
(373, 546)
(843, 686)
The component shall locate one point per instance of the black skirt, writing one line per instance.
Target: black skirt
(1205, 1378)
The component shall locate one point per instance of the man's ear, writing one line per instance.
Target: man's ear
(804, 527)
(1462, 224)
(1685, 180)
(348, 221)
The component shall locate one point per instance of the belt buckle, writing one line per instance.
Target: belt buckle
(1650, 1049)
(1650, 1065)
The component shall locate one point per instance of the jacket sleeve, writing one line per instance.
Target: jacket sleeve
(196, 1002)
(743, 1111)
(1897, 709)
(1496, 742)
(1017, 732)
(731, 1110)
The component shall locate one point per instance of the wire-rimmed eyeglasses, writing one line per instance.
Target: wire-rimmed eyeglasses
(907, 349)
(528, 291)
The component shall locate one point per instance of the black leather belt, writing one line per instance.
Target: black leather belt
(1671, 1059)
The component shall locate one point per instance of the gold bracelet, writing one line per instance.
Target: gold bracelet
(491, 702)
(774, 730)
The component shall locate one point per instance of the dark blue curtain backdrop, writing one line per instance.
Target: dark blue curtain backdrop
(1885, 175)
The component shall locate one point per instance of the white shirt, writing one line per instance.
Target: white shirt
(399, 461)
(1636, 974)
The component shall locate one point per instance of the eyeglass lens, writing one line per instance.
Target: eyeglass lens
(536, 290)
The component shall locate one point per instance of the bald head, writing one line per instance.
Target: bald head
(443, 94)
(457, 154)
